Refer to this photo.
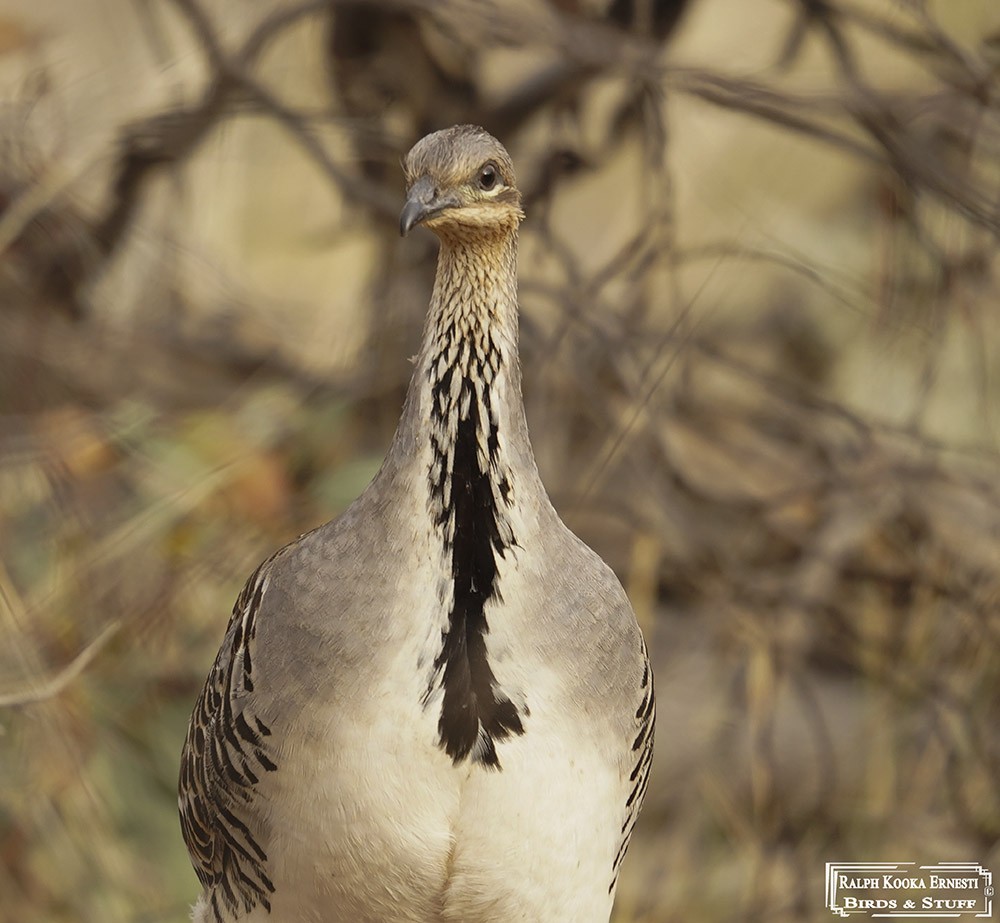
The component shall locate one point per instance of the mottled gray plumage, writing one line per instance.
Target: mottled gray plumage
(438, 706)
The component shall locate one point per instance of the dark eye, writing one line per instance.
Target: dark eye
(488, 176)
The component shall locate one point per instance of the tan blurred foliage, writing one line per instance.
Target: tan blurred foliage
(760, 343)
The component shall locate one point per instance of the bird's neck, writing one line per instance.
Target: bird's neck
(464, 428)
(472, 321)
(467, 381)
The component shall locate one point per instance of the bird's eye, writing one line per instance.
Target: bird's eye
(488, 176)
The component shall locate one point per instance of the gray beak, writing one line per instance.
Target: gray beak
(422, 203)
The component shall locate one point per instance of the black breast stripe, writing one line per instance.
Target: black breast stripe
(469, 493)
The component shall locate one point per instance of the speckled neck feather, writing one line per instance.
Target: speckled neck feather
(468, 368)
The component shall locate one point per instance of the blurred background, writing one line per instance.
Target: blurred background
(761, 351)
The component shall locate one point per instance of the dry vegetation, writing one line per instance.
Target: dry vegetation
(760, 340)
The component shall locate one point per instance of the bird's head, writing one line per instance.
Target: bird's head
(460, 182)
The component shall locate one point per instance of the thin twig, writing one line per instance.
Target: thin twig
(52, 686)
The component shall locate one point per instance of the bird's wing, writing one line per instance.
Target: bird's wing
(642, 750)
(226, 752)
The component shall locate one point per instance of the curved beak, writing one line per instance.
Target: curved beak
(423, 203)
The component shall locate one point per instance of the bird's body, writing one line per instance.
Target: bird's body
(438, 706)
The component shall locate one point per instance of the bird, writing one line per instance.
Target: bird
(439, 705)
